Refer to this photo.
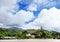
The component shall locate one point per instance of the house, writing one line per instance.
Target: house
(58, 37)
(28, 34)
(33, 35)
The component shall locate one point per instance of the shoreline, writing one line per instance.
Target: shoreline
(31, 40)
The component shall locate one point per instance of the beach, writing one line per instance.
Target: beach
(31, 40)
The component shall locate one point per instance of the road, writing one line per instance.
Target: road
(31, 40)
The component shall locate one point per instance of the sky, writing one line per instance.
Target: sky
(30, 14)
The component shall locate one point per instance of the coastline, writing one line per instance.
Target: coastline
(30, 40)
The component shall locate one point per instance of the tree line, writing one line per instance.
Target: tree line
(22, 34)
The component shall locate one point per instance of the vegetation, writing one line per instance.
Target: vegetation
(24, 34)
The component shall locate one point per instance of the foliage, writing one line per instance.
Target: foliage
(21, 34)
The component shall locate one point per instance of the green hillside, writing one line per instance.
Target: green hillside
(19, 33)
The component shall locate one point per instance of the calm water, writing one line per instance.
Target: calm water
(31, 40)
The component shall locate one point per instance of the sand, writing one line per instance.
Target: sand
(31, 40)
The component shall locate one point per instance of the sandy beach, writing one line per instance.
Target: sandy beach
(31, 40)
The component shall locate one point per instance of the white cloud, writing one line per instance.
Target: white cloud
(31, 25)
(7, 7)
(7, 18)
(23, 16)
(32, 7)
(48, 19)
(10, 4)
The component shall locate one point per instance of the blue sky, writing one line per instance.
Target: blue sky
(25, 3)
(30, 14)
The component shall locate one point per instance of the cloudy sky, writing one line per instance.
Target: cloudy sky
(30, 14)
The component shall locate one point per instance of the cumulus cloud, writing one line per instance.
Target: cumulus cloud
(32, 7)
(10, 4)
(48, 19)
(7, 8)
(22, 16)
(31, 25)
(7, 18)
